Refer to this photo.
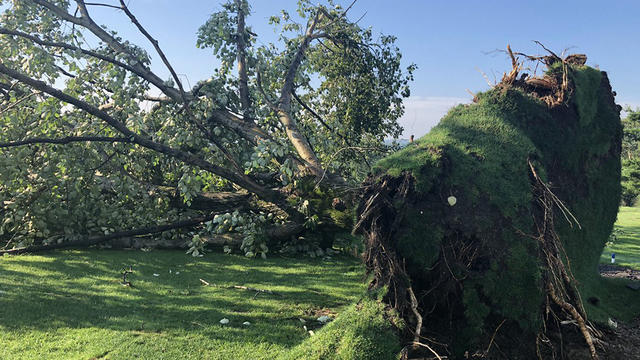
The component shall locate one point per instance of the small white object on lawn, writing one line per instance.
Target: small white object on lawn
(246, 323)
(452, 200)
(224, 321)
(309, 331)
(324, 319)
(156, 274)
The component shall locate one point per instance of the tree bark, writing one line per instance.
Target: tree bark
(117, 235)
(299, 141)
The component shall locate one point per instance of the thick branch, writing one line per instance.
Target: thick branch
(104, 238)
(287, 88)
(157, 47)
(299, 141)
(65, 140)
(248, 130)
(183, 96)
(239, 179)
(94, 54)
(220, 201)
(88, 23)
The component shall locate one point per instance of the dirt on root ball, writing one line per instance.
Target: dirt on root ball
(623, 341)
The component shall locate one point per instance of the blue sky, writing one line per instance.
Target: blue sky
(452, 42)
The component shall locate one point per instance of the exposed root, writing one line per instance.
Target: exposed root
(126, 272)
(414, 308)
(552, 90)
(379, 222)
(559, 282)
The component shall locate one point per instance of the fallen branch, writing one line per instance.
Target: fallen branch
(258, 291)
(101, 239)
(65, 140)
(254, 289)
(126, 272)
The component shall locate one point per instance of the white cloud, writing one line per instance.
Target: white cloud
(423, 113)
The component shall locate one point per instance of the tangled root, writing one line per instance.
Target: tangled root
(381, 213)
(559, 283)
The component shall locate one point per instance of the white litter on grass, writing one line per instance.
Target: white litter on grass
(612, 323)
(177, 272)
(311, 333)
(324, 319)
(156, 274)
(224, 321)
(302, 320)
(246, 323)
(452, 200)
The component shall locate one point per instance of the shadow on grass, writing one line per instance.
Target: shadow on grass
(82, 289)
(626, 245)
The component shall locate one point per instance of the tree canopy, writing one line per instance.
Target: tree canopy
(95, 142)
(631, 157)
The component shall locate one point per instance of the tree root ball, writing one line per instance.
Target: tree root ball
(496, 219)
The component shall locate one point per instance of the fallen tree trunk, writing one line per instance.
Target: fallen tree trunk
(95, 240)
(130, 238)
(496, 219)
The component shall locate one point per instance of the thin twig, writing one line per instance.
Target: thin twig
(248, 288)
(417, 343)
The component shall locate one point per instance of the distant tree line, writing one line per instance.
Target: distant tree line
(631, 157)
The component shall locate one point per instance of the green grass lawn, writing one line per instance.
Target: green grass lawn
(71, 305)
(615, 299)
(627, 245)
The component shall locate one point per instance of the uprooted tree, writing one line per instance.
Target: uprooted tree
(95, 145)
(487, 232)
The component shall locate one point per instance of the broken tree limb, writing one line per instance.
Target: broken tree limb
(116, 235)
(241, 287)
